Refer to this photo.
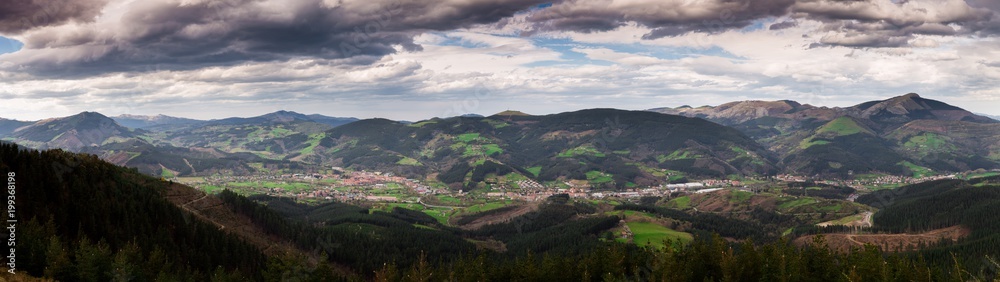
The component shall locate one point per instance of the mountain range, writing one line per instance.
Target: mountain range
(905, 135)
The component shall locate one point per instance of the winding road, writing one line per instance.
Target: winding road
(421, 201)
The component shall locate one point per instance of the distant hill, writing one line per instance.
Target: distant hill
(332, 121)
(94, 133)
(281, 135)
(169, 146)
(889, 136)
(87, 129)
(996, 118)
(602, 147)
(281, 117)
(7, 126)
(912, 107)
(511, 113)
(139, 121)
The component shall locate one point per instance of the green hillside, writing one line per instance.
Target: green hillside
(553, 147)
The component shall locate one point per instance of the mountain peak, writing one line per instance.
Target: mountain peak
(91, 115)
(511, 113)
(285, 116)
(910, 107)
(73, 132)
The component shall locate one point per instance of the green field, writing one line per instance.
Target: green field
(927, 143)
(795, 203)
(467, 137)
(313, 142)
(682, 202)
(408, 161)
(585, 150)
(211, 189)
(486, 206)
(422, 123)
(984, 174)
(477, 150)
(830, 208)
(492, 149)
(809, 142)
(535, 170)
(842, 126)
(736, 196)
(437, 213)
(918, 171)
(652, 234)
(448, 199)
(597, 177)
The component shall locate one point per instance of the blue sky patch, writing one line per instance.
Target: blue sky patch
(8, 45)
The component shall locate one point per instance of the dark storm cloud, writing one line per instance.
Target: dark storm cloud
(665, 17)
(871, 23)
(192, 34)
(17, 16)
(855, 23)
(783, 25)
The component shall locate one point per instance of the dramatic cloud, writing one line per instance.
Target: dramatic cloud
(666, 17)
(214, 58)
(138, 35)
(17, 16)
(876, 23)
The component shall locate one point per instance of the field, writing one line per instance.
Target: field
(842, 126)
(739, 196)
(597, 177)
(918, 171)
(787, 205)
(652, 234)
(486, 206)
(409, 161)
(535, 170)
(682, 202)
(467, 137)
(581, 151)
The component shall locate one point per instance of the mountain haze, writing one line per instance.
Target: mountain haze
(140, 121)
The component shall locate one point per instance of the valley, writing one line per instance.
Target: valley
(341, 197)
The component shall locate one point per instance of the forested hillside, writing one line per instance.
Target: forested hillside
(82, 219)
(940, 204)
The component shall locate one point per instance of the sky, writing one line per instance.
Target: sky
(417, 59)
